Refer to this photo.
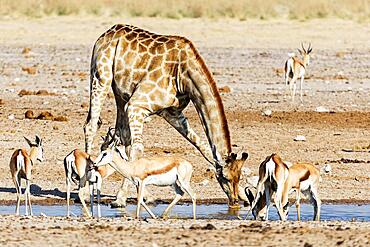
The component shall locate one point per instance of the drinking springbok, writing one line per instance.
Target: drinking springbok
(305, 178)
(78, 168)
(21, 164)
(159, 171)
(295, 68)
(272, 175)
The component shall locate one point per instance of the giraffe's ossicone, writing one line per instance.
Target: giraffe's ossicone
(160, 74)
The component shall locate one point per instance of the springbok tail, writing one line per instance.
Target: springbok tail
(270, 172)
(20, 161)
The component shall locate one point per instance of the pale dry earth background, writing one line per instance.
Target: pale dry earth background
(247, 56)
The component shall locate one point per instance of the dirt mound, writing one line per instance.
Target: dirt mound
(40, 92)
(45, 115)
(30, 70)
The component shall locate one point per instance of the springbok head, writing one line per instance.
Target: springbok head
(228, 177)
(305, 53)
(36, 147)
(260, 210)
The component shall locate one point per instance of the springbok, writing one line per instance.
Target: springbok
(296, 68)
(305, 178)
(272, 175)
(78, 166)
(21, 168)
(159, 171)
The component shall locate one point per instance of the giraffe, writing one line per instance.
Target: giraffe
(160, 74)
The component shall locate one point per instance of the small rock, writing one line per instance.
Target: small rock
(11, 117)
(267, 113)
(300, 138)
(29, 114)
(17, 79)
(26, 50)
(327, 168)
(224, 89)
(321, 109)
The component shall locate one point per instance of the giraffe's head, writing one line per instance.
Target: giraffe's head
(228, 176)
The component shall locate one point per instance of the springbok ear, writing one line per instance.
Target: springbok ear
(244, 156)
(300, 51)
(28, 141)
(249, 195)
(38, 140)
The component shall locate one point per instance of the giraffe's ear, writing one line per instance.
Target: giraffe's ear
(244, 156)
(233, 156)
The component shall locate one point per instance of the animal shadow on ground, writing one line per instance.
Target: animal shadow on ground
(39, 192)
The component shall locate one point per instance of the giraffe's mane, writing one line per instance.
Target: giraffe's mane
(216, 95)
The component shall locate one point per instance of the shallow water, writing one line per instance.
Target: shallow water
(343, 212)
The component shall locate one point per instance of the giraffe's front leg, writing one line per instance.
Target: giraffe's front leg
(99, 90)
(181, 124)
(136, 115)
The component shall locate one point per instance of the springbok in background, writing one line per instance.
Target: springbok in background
(295, 68)
(160, 171)
(305, 178)
(21, 168)
(272, 175)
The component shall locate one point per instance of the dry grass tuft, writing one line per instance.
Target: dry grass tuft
(241, 9)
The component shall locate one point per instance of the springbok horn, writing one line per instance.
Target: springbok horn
(309, 48)
(303, 48)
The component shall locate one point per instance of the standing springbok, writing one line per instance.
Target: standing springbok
(21, 168)
(305, 178)
(159, 171)
(77, 165)
(272, 175)
(296, 68)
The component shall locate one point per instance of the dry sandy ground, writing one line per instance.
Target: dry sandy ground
(246, 56)
(56, 231)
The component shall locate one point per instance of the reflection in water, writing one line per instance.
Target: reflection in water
(345, 212)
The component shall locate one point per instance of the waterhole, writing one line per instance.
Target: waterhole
(329, 212)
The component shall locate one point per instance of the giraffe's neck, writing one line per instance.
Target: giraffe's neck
(207, 101)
